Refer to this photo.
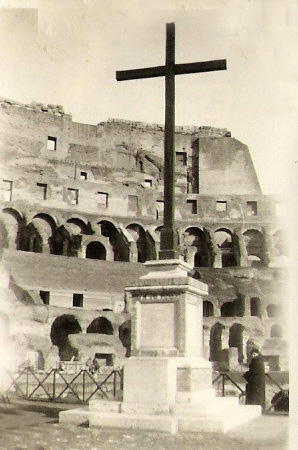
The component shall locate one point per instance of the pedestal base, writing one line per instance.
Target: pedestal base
(166, 394)
(219, 415)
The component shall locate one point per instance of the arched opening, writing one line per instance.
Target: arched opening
(216, 341)
(96, 250)
(208, 309)
(15, 229)
(68, 240)
(236, 339)
(225, 243)
(61, 328)
(139, 236)
(233, 309)
(124, 336)
(196, 247)
(254, 242)
(255, 307)
(109, 230)
(273, 310)
(228, 309)
(276, 331)
(34, 241)
(101, 325)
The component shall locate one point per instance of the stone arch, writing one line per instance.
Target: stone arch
(196, 247)
(110, 231)
(276, 331)
(208, 309)
(228, 309)
(158, 229)
(34, 240)
(255, 307)
(215, 342)
(125, 335)
(138, 234)
(226, 247)
(273, 310)
(255, 246)
(42, 226)
(101, 325)
(83, 226)
(96, 250)
(62, 327)
(234, 308)
(236, 339)
(14, 225)
(68, 240)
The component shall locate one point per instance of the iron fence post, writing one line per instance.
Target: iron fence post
(27, 381)
(84, 385)
(223, 385)
(54, 385)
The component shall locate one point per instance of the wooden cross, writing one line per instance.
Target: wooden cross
(169, 237)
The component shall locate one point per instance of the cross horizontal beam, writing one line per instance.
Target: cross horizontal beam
(179, 69)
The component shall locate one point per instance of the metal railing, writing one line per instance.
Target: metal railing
(57, 386)
(224, 378)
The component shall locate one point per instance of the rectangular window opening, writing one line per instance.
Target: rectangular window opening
(45, 296)
(73, 196)
(7, 190)
(148, 183)
(192, 206)
(77, 300)
(83, 175)
(181, 158)
(221, 205)
(43, 188)
(252, 208)
(52, 143)
(103, 199)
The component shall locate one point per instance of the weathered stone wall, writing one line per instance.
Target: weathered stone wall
(75, 193)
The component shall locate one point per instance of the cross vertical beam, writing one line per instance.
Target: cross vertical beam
(169, 237)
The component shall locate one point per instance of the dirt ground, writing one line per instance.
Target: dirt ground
(34, 426)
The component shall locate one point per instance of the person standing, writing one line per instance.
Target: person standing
(255, 377)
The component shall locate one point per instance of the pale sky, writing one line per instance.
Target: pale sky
(67, 52)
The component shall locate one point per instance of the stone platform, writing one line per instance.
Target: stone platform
(219, 414)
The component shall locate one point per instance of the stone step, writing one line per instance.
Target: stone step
(220, 420)
(148, 422)
(77, 416)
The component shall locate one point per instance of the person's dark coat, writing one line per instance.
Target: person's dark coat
(255, 377)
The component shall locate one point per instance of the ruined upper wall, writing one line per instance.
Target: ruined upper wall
(215, 162)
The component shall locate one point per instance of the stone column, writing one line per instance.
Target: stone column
(243, 262)
(217, 264)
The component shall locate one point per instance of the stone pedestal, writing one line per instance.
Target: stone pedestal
(167, 382)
